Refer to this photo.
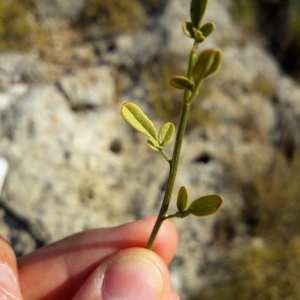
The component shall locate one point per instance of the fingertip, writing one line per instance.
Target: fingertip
(174, 295)
(95, 246)
(129, 274)
(9, 286)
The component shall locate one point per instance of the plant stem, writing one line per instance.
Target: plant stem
(177, 215)
(176, 152)
(172, 174)
(165, 155)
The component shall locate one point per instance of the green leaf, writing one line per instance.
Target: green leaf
(166, 134)
(208, 28)
(153, 145)
(182, 214)
(206, 205)
(198, 8)
(207, 64)
(187, 27)
(182, 83)
(198, 36)
(182, 199)
(216, 63)
(135, 117)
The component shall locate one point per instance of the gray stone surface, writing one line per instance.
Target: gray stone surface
(91, 88)
(75, 164)
(70, 168)
(18, 67)
(133, 49)
(55, 10)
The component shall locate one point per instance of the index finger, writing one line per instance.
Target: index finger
(58, 270)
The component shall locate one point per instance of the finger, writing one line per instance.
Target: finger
(133, 273)
(174, 295)
(9, 286)
(58, 270)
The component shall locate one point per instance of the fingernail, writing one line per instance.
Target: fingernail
(9, 288)
(132, 278)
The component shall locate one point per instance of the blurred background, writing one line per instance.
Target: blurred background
(66, 67)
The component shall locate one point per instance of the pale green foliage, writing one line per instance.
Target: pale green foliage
(166, 134)
(181, 83)
(153, 145)
(208, 28)
(205, 206)
(135, 117)
(182, 199)
(199, 68)
(198, 35)
(187, 28)
(201, 207)
(207, 64)
(197, 11)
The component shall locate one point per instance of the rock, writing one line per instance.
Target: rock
(75, 164)
(17, 67)
(52, 12)
(9, 95)
(91, 88)
(130, 50)
(69, 165)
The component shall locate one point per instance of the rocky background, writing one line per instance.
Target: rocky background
(66, 67)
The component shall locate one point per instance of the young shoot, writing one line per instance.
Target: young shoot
(200, 66)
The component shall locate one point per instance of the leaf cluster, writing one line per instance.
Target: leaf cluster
(200, 67)
(135, 117)
(201, 207)
(209, 60)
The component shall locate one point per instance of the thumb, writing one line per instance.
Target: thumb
(133, 273)
(9, 286)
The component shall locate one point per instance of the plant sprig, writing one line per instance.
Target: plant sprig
(200, 67)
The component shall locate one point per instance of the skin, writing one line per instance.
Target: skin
(79, 266)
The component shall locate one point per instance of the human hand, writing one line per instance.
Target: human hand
(99, 264)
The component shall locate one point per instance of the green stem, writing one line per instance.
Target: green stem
(176, 153)
(172, 174)
(192, 61)
(165, 155)
(170, 216)
(177, 215)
